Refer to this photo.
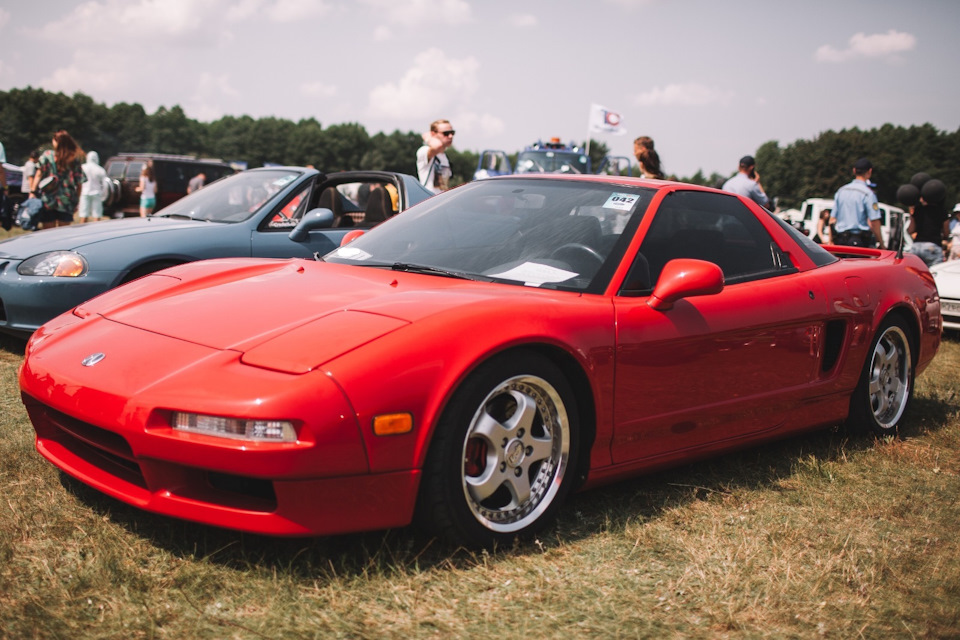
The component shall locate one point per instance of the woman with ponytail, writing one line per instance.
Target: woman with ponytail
(61, 166)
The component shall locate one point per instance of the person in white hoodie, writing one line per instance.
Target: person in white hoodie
(93, 189)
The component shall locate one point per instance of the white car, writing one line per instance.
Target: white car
(806, 218)
(947, 275)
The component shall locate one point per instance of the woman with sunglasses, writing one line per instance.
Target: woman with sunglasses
(433, 167)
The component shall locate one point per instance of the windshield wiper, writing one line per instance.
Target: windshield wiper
(185, 216)
(422, 268)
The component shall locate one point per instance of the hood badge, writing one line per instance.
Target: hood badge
(93, 359)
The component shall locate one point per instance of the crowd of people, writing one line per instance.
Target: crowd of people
(64, 180)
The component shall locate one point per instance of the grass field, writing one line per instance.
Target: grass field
(816, 536)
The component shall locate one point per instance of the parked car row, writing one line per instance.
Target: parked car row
(261, 212)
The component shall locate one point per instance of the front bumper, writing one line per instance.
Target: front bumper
(26, 302)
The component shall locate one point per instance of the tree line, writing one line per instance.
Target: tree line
(802, 169)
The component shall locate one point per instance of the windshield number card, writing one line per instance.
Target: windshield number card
(620, 201)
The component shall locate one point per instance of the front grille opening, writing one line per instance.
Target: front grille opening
(101, 448)
(260, 491)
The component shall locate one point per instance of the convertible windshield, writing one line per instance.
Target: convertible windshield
(551, 162)
(561, 234)
(232, 199)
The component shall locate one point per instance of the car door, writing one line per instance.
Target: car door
(271, 237)
(715, 368)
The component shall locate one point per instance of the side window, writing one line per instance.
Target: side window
(290, 213)
(116, 170)
(133, 171)
(715, 228)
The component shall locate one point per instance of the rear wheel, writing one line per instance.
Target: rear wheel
(886, 384)
(502, 456)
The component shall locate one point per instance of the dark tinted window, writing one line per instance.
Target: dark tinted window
(818, 254)
(115, 170)
(715, 228)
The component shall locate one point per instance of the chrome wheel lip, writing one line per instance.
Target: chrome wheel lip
(516, 451)
(890, 378)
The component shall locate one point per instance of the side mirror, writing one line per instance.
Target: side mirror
(313, 219)
(683, 278)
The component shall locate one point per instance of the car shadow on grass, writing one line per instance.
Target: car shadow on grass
(10, 344)
(610, 508)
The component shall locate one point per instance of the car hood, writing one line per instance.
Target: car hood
(290, 315)
(75, 237)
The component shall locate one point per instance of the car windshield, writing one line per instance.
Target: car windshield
(560, 234)
(551, 162)
(234, 198)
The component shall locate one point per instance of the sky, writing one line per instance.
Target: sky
(709, 81)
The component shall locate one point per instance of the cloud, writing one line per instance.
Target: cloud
(294, 10)
(318, 90)
(382, 33)
(416, 13)
(522, 21)
(689, 94)
(630, 4)
(4, 17)
(479, 125)
(877, 45)
(143, 20)
(87, 74)
(206, 103)
(434, 83)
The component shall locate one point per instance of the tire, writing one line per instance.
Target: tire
(886, 384)
(503, 455)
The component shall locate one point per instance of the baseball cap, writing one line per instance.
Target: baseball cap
(747, 161)
(862, 165)
(956, 207)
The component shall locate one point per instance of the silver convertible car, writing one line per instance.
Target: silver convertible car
(276, 212)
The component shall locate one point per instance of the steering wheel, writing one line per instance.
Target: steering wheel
(574, 250)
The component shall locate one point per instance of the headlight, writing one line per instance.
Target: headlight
(256, 430)
(65, 264)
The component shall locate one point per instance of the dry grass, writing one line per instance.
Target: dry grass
(814, 536)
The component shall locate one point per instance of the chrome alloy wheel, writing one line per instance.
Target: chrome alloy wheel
(515, 453)
(890, 377)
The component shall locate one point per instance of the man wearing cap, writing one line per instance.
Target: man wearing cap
(856, 210)
(747, 182)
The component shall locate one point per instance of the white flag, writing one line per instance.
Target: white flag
(602, 120)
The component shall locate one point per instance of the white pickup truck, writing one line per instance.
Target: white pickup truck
(805, 218)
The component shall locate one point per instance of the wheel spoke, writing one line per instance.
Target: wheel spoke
(490, 429)
(519, 487)
(541, 448)
(525, 414)
(485, 485)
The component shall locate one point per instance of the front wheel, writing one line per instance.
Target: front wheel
(502, 456)
(886, 384)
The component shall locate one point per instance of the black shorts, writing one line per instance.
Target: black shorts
(54, 215)
(856, 239)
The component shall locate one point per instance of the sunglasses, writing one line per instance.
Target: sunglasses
(447, 133)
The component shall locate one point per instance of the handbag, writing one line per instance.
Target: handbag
(51, 183)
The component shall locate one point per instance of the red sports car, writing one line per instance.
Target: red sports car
(471, 361)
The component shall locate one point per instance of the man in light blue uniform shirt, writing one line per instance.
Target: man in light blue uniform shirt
(856, 210)
(747, 182)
